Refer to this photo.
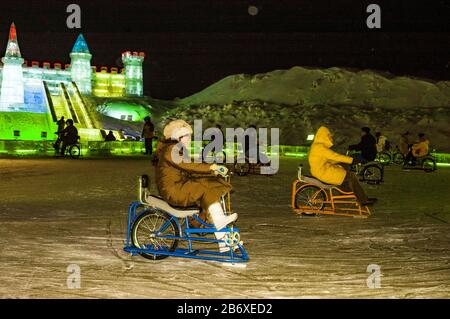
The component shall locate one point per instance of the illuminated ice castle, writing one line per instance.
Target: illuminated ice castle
(43, 93)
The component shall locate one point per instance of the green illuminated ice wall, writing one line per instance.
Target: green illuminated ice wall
(25, 126)
(33, 96)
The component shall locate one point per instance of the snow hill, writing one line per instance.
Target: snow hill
(299, 100)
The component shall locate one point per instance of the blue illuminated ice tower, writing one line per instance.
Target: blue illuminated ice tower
(81, 65)
(12, 91)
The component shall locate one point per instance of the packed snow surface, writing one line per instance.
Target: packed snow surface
(58, 212)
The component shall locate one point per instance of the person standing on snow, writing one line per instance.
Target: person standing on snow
(324, 165)
(147, 133)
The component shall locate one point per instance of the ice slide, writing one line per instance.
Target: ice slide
(66, 100)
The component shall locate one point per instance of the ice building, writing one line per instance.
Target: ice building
(33, 96)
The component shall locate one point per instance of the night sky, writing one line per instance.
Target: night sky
(192, 44)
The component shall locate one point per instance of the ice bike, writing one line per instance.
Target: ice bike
(312, 197)
(370, 172)
(389, 157)
(426, 163)
(72, 150)
(155, 229)
(243, 165)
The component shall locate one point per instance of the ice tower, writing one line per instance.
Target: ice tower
(133, 73)
(12, 91)
(81, 65)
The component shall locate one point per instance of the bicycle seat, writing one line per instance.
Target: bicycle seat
(179, 212)
(315, 181)
(184, 208)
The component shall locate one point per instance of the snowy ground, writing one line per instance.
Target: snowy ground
(57, 212)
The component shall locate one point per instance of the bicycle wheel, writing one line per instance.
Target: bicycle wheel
(384, 158)
(398, 158)
(74, 151)
(310, 196)
(148, 229)
(372, 174)
(429, 164)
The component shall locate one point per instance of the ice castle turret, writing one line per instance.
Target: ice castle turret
(134, 85)
(81, 65)
(12, 89)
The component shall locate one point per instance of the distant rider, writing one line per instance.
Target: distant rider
(69, 136)
(367, 147)
(418, 149)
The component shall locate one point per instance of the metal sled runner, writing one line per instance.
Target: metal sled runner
(155, 230)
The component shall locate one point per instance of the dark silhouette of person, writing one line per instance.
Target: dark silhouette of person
(248, 139)
(61, 124)
(367, 146)
(148, 133)
(110, 137)
(252, 147)
(69, 136)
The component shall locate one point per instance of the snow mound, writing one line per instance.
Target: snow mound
(333, 86)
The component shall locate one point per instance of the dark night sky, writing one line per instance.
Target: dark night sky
(192, 44)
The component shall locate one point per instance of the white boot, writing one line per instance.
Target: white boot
(219, 219)
(223, 248)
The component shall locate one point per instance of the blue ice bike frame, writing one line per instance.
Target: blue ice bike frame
(236, 253)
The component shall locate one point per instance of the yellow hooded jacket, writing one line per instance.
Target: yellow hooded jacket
(421, 148)
(323, 162)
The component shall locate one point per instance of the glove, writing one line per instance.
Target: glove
(219, 169)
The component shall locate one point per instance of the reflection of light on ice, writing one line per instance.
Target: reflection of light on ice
(235, 265)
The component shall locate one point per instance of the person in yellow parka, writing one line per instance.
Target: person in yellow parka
(418, 149)
(324, 165)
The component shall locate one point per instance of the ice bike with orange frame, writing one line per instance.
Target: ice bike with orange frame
(312, 197)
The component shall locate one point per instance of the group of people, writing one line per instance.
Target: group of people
(370, 145)
(186, 183)
(148, 134)
(67, 135)
(333, 168)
